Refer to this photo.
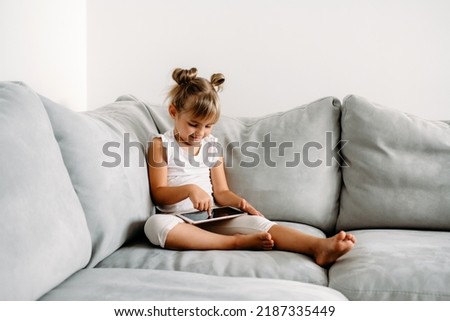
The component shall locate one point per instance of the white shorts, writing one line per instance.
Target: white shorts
(159, 225)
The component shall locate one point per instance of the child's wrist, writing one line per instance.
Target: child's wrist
(191, 189)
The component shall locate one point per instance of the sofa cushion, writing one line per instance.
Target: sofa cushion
(151, 285)
(104, 152)
(259, 264)
(285, 164)
(398, 173)
(395, 265)
(43, 233)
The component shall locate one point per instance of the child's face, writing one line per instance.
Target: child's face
(190, 130)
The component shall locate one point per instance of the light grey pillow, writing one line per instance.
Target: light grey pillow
(399, 169)
(161, 118)
(43, 232)
(285, 164)
(104, 151)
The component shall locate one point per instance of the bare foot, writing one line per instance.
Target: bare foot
(257, 241)
(334, 247)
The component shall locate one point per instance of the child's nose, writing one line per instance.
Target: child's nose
(200, 132)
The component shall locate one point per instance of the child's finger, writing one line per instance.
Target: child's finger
(209, 208)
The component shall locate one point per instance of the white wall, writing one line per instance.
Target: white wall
(275, 54)
(43, 43)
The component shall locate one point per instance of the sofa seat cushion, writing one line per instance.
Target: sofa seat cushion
(398, 173)
(105, 153)
(395, 265)
(262, 264)
(286, 163)
(154, 285)
(44, 237)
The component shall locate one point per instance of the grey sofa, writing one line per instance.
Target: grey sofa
(74, 197)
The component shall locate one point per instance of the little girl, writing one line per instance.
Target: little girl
(181, 180)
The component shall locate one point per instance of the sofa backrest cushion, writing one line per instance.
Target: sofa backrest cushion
(44, 237)
(399, 169)
(283, 163)
(104, 152)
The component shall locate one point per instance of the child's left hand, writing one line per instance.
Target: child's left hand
(247, 207)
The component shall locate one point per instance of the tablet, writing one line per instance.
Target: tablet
(217, 214)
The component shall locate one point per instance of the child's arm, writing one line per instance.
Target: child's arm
(222, 194)
(167, 195)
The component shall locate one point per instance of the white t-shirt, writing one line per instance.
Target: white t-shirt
(183, 168)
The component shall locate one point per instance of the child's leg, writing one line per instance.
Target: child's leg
(171, 232)
(245, 232)
(189, 237)
(324, 250)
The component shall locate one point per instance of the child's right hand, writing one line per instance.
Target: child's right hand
(200, 199)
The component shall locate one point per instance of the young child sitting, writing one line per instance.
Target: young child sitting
(181, 179)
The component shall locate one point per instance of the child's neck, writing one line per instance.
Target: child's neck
(189, 148)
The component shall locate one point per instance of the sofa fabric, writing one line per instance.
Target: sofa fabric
(43, 235)
(399, 169)
(104, 151)
(285, 164)
(139, 284)
(395, 265)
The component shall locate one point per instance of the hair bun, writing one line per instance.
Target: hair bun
(217, 80)
(184, 76)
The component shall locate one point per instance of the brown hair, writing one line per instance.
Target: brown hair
(195, 94)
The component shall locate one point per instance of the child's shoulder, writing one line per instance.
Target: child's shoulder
(166, 137)
(158, 142)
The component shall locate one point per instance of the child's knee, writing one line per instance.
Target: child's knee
(150, 229)
(158, 226)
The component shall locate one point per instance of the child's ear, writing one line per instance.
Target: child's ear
(172, 111)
